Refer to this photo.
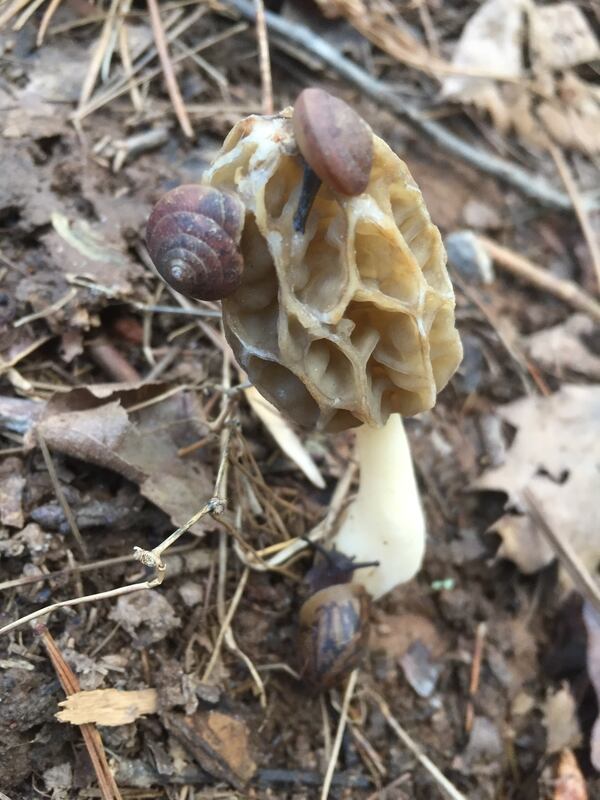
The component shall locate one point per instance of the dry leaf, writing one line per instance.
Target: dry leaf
(560, 719)
(12, 485)
(561, 347)
(218, 742)
(560, 36)
(108, 706)
(569, 783)
(591, 618)
(556, 453)
(491, 41)
(147, 616)
(285, 437)
(94, 425)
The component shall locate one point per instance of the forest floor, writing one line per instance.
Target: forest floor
(479, 681)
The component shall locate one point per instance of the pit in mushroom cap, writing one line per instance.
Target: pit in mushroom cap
(348, 323)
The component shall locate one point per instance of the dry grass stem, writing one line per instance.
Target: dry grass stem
(443, 783)
(337, 742)
(580, 209)
(96, 62)
(263, 58)
(565, 290)
(169, 73)
(584, 581)
(475, 674)
(60, 495)
(48, 310)
(46, 20)
(93, 742)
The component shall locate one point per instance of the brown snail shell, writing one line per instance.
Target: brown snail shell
(334, 140)
(333, 633)
(193, 236)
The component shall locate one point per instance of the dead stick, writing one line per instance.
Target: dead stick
(567, 291)
(68, 680)
(528, 184)
(168, 71)
(475, 674)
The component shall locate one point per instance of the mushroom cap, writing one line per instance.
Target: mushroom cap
(353, 319)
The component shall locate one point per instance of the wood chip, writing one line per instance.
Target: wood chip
(108, 706)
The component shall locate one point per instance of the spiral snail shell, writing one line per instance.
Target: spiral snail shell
(193, 236)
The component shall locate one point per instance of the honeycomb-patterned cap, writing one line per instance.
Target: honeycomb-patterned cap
(353, 319)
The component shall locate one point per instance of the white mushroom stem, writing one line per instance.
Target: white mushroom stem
(386, 521)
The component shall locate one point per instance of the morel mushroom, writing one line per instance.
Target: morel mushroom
(347, 323)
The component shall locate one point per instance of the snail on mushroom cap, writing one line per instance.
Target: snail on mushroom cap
(344, 312)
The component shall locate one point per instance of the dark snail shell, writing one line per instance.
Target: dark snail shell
(334, 140)
(333, 633)
(193, 236)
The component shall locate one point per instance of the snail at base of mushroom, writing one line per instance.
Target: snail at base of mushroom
(334, 621)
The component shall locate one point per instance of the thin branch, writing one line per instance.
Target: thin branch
(528, 184)
(93, 742)
(567, 291)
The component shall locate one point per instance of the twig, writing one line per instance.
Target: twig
(68, 680)
(528, 184)
(48, 310)
(167, 66)
(567, 291)
(337, 742)
(235, 601)
(25, 580)
(580, 575)
(263, 58)
(112, 362)
(444, 784)
(61, 495)
(582, 214)
(475, 674)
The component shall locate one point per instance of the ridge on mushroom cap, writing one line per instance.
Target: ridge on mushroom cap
(353, 319)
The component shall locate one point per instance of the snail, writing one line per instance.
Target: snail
(193, 237)
(335, 143)
(334, 620)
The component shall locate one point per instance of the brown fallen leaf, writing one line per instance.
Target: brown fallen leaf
(491, 41)
(560, 719)
(551, 106)
(556, 454)
(96, 425)
(108, 706)
(560, 36)
(217, 741)
(561, 348)
(569, 783)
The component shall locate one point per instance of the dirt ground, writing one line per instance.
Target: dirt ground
(488, 659)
